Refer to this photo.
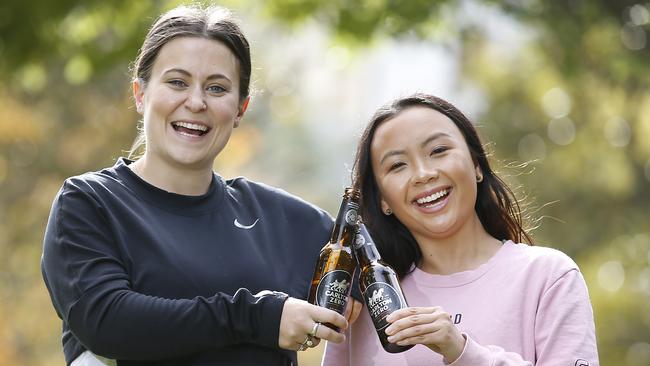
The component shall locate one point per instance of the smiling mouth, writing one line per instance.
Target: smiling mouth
(190, 129)
(432, 199)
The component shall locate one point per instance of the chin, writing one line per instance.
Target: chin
(439, 230)
(193, 162)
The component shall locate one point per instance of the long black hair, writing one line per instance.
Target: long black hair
(496, 205)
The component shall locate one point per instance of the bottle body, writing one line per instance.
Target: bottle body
(380, 288)
(332, 280)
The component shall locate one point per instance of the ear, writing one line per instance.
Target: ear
(242, 109)
(138, 95)
(479, 173)
(384, 206)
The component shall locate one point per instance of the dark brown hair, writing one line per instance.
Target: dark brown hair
(496, 205)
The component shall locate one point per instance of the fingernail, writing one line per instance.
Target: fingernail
(389, 330)
(390, 339)
(389, 318)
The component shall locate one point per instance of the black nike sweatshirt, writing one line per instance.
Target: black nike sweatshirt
(147, 277)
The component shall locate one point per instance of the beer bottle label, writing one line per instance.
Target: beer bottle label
(382, 299)
(333, 289)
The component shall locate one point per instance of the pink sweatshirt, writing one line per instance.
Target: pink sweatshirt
(526, 306)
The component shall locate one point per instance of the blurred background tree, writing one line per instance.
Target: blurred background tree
(563, 86)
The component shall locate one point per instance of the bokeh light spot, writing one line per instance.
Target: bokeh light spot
(633, 37)
(556, 103)
(33, 78)
(639, 15)
(78, 70)
(611, 276)
(644, 280)
(532, 148)
(561, 131)
(618, 132)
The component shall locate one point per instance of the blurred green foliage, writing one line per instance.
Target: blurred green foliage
(572, 99)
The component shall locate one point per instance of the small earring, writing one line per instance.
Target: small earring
(479, 178)
(388, 212)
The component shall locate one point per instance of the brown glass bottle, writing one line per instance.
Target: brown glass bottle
(332, 281)
(379, 286)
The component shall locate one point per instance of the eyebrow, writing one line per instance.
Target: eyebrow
(433, 137)
(186, 73)
(424, 143)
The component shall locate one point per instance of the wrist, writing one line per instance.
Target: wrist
(455, 349)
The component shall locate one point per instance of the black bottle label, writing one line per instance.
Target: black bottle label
(382, 299)
(333, 289)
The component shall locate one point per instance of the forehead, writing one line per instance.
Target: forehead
(196, 55)
(413, 126)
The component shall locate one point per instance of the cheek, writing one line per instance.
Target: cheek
(463, 167)
(228, 106)
(160, 104)
(391, 188)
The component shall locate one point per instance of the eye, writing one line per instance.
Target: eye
(177, 83)
(396, 165)
(216, 89)
(438, 150)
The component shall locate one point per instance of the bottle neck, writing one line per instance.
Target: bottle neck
(365, 248)
(346, 222)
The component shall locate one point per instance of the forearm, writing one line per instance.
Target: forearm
(127, 325)
(475, 354)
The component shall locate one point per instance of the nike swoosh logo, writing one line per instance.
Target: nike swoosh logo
(247, 227)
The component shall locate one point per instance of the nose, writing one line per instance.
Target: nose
(195, 101)
(424, 173)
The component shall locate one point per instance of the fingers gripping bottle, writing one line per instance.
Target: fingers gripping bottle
(378, 283)
(332, 281)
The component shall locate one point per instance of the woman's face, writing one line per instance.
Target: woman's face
(425, 172)
(191, 102)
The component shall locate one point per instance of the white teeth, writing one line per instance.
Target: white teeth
(192, 126)
(432, 197)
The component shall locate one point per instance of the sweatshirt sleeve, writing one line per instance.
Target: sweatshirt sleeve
(564, 330)
(91, 292)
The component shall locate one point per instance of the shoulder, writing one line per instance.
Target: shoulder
(242, 189)
(90, 188)
(541, 260)
(92, 183)
(82, 200)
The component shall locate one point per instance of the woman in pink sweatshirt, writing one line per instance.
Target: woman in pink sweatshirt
(450, 227)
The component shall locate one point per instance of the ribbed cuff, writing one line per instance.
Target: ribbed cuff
(270, 315)
(473, 354)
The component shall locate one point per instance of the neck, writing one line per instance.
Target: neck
(174, 179)
(465, 250)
